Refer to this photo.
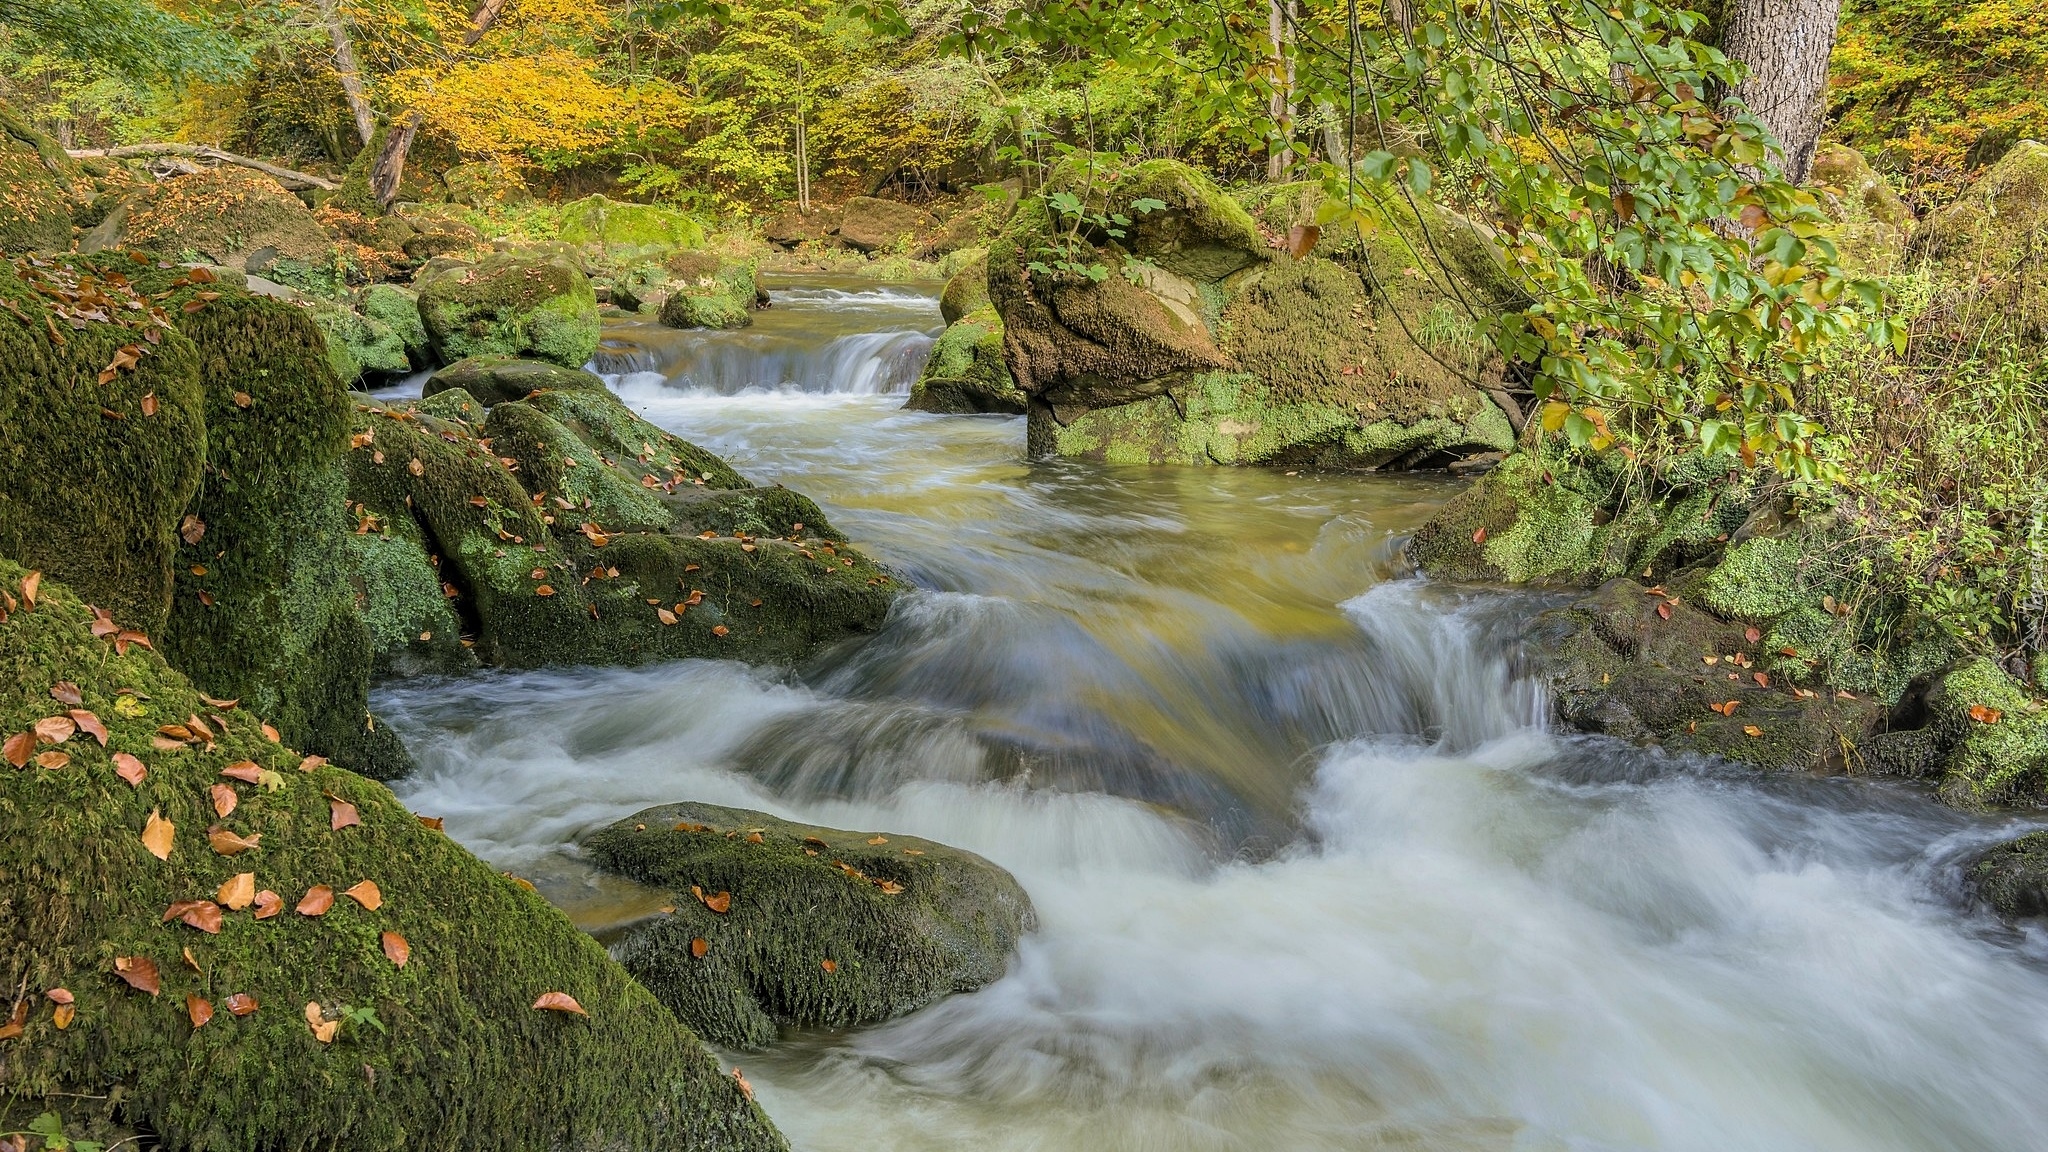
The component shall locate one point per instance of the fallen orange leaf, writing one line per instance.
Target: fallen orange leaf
(366, 894)
(224, 800)
(247, 771)
(699, 946)
(55, 729)
(129, 768)
(395, 947)
(20, 749)
(229, 844)
(89, 723)
(157, 835)
(199, 1011)
(721, 903)
(830, 966)
(1751, 730)
(559, 1002)
(238, 892)
(341, 814)
(240, 1004)
(140, 973)
(201, 914)
(1985, 715)
(268, 904)
(317, 900)
(52, 759)
(323, 1028)
(65, 692)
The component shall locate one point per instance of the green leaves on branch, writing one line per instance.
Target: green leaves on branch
(133, 37)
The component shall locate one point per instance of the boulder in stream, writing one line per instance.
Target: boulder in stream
(2013, 877)
(529, 304)
(704, 292)
(780, 923)
(627, 231)
(495, 378)
(965, 372)
(245, 948)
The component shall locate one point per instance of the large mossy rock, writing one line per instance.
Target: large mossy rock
(804, 925)
(965, 372)
(967, 289)
(703, 293)
(564, 529)
(1203, 344)
(38, 182)
(359, 346)
(2013, 877)
(1995, 736)
(208, 1040)
(625, 231)
(486, 184)
(1873, 222)
(513, 303)
(1990, 240)
(875, 225)
(496, 379)
(198, 496)
(234, 217)
(399, 310)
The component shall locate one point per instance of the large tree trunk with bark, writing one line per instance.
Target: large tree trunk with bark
(345, 67)
(389, 171)
(1785, 45)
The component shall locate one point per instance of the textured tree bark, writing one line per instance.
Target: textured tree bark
(345, 67)
(1280, 156)
(1785, 45)
(389, 171)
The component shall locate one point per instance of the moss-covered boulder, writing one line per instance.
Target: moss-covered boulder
(1990, 239)
(1873, 222)
(965, 372)
(496, 379)
(702, 294)
(432, 230)
(1194, 342)
(486, 184)
(38, 182)
(2013, 877)
(358, 345)
(875, 225)
(626, 232)
(307, 966)
(564, 529)
(1996, 736)
(230, 216)
(399, 310)
(512, 303)
(197, 495)
(967, 289)
(779, 923)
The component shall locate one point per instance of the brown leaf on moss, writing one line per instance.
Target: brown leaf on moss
(240, 1004)
(720, 903)
(224, 800)
(52, 759)
(317, 900)
(341, 814)
(268, 904)
(140, 973)
(312, 763)
(198, 1010)
(247, 771)
(201, 914)
(434, 823)
(20, 749)
(192, 529)
(29, 585)
(89, 723)
(365, 893)
(271, 735)
(238, 892)
(559, 1002)
(230, 844)
(830, 966)
(55, 729)
(64, 1015)
(699, 946)
(323, 1028)
(720, 630)
(60, 996)
(65, 692)
(157, 835)
(130, 768)
(1984, 714)
(395, 947)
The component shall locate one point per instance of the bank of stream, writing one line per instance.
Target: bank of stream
(1311, 871)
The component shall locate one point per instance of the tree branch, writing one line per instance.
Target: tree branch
(285, 176)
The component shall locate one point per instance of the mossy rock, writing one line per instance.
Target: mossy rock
(230, 216)
(486, 184)
(1873, 222)
(359, 346)
(1999, 735)
(457, 1056)
(646, 547)
(875, 225)
(626, 231)
(399, 310)
(514, 304)
(2013, 877)
(435, 230)
(1990, 241)
(966, 290)
(495, 378)
(804, 925)
(1202, 235)
(721, 299)
(1631, 663)
(965, 372)
(37, 183)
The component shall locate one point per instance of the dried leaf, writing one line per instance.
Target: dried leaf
(89, 724)
(20, 749)
(242, 400)
(1664, 610)
(240, 1004)
(60, 995)
(312, 763)
(323, 1028)
(55, 729)
(699, 946)
(1983, 714)
(29, 584)
(559, 1002)
(229, 844)
(1725, 708)
(341, 814)
(1752, 635)
(433, 822)
(64, 1015)
(366, 894)
(157, 835)
(889, 887)
(721, 903)
(53, 759)
(878, 839)
(247, 771)
(268, 904)
(239, 892)
(192, 529)
(317, 900)
(65, 692)
(1751, 730)
(720, 630)
(746, 1089)
(544, 590)
(140, 973)
(754, 838)
(198, 1010)
(149, 404)
(224, 800)
(201, 914)
(830, 966)
(395, 947)
(665, 616)
(271, 735)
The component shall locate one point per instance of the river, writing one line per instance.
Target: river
(1311, 871)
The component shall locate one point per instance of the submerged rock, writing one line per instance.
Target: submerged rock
(561, 528)
(2013, 877)
(526, 304)
(198, 495)
(781, 923)
(1196, 342)
(394, 1009)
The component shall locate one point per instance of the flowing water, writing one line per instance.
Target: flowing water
(1311, 872)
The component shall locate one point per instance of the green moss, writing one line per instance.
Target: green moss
(412, 629)
(1517, 525)
(1202, 234)
(965, 371)
(801, 898)
(2013, 877)
(628, 231)
(458, 1058)
(1989, 242)
(359, 345)
(966, 290)
(633, 445)
(515, 304)
(1995, 760)
(399, 310)
(35, 197)
(230, 216)
(453, 404)
(495, 378)
(556, 463)
(721, 299)
(486, 184)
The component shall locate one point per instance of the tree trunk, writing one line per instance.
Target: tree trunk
(285, 176)
(345, 67)
(389, 171)
(1280, 157)
(1784, 45)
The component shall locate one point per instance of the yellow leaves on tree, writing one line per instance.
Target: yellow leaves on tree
(514, 107)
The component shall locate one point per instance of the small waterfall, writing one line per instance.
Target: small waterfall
(859, 341)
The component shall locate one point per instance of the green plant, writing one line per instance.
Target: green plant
(50, 1127)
